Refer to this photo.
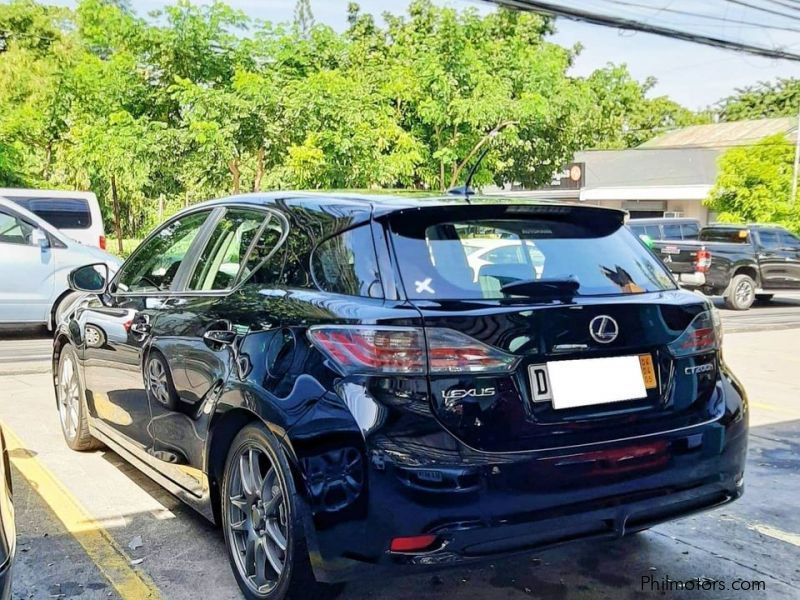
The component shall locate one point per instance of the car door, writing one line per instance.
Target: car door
(26, 271)
(127, 327)
(213, 319)
(791, 247)
(775, 262)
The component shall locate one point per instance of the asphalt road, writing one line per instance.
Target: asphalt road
(91, 526)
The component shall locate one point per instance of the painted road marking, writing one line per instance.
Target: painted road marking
(775, 409)
(96, 541)
(778, 534)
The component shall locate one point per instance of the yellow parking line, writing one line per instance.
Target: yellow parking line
(96, 541)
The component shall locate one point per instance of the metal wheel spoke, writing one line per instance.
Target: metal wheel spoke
(261, 556)
(255, 470)
(250, 556)
(244, 474)
(271, 506)
(242, 525)
(241, 503)
(274, 559)
(273, 530)
(266, 486)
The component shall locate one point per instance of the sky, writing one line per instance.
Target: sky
(694, 75)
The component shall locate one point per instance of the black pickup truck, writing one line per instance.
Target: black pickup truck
(742, 263)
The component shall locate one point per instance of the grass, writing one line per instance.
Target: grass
(128, 246)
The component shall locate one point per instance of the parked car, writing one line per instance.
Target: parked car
(8, 530)
(323, 376)
(666, 228)
(35, 260)
(742, 263)
(75, 214)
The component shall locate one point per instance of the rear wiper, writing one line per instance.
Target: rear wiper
(566, 287)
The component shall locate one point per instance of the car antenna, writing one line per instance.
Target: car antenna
(466, 189)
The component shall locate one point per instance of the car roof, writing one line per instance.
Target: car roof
(359, 207)
(33, 193)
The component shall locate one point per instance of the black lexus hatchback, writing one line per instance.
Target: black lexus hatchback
(353, 384)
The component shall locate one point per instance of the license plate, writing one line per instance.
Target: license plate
(670, 250)
(586, 382)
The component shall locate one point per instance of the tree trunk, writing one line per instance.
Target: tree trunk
(259, 169)
(236, 175)
(117, 224)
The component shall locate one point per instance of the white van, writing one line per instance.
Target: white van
(76, 214)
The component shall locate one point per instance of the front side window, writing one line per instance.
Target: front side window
(530, 257)
(346, 264)
(153, 266)
(690, 231)
(672, 231)
(225, 255)
(61, 213)
(725, 234)
(14, 230)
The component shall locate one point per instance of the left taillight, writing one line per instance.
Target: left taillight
(102, 242)
(382, 350)
(703, 334)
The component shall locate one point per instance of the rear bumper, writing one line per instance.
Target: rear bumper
(692, 280)
(482, 505)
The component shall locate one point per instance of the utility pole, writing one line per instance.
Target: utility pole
(793, 197)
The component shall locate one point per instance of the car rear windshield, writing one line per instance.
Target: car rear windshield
(476, 259)
(61, 213)
(732, 235)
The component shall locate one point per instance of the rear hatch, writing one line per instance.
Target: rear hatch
(584, 332)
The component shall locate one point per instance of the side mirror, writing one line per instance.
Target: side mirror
(39, 238)
(89, 278)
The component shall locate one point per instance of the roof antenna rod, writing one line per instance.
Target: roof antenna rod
(466, 190)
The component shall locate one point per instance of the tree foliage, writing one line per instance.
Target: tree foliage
(197, 101)
(754, 184)
(780, 98)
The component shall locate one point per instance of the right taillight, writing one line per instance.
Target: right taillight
(369, 350)
(702, 262)
(703, 334)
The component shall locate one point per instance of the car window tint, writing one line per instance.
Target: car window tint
(789, 241)
(154, 265)
(14, 230)
(224, 254)
(62, 213)
(690, 231)
(672, 231)
(654, 231)
(730, 235)
(346, 264)
(266, 257)
(769, 238)
(434, 265)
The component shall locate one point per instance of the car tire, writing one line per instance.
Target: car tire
(71, 402)
(741, 293)
(262, 522)
(158, 381)
(764, 297)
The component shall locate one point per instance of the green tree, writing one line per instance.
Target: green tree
(780, 98)
(753, 184)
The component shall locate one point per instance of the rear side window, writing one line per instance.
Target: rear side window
(653, 231)
(769, 238)
(346, 264)
(672, 231)
(61, 213)
(435, 262)
(690, 231)
(224, 255)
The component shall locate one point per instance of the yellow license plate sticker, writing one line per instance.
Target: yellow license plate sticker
(648, 371)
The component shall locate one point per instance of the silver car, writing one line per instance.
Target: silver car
(35, 259)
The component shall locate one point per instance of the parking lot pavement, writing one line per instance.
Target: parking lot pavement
(112, 533)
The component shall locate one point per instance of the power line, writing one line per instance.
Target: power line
(707, 17)
(789, 5)
(764, 10)
(576, 14)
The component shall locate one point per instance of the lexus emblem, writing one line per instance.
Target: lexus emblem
(603, 329)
